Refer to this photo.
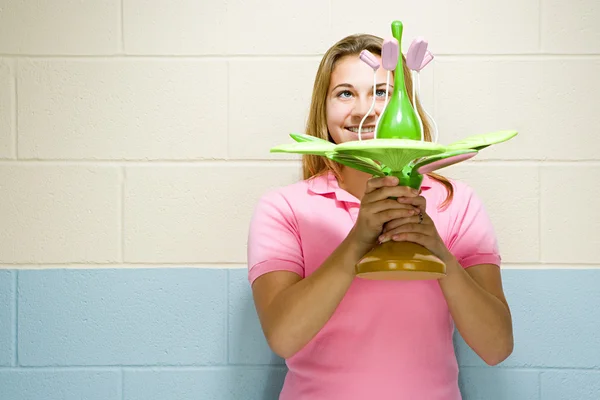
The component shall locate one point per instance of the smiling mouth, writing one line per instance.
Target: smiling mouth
(367, 132)
(365, 129)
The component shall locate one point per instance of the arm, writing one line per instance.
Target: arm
(293, 310)
(480, 311)
(474, 294)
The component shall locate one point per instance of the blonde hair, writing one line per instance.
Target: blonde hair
(316, 124)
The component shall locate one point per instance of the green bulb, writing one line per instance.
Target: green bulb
(399, 120)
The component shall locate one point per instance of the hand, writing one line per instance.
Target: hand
(378, 208)
(418, 229)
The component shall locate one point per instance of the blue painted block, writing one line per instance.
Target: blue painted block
(570, 385)
(7, 318)
(122, 317)
(18, 384)
(230, 383)
(498, 384)
(555, 317)
(247, 343)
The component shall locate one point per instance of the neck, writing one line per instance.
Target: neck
(354, 181)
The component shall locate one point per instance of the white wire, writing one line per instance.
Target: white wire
(387, 85)
(372, 104)
(435, 128)
(415, 89)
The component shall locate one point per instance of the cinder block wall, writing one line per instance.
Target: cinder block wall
(134, 138)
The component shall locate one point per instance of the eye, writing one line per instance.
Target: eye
(381, 92)
(345, 94)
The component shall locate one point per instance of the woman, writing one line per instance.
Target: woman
(348, 338)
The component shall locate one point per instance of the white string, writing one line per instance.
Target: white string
(387, 85)
(372, 104)
(435, 128)
(415, 90)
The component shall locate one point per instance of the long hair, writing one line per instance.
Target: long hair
(316, 124)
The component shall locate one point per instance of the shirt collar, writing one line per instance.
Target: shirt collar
(327, 184)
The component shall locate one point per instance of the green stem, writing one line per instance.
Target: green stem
(399, 84)
(412, 180)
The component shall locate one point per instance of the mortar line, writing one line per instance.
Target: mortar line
(15, 284)
(122, 213)
(228, 108)
(122, 377)
(122, 27)
(15, 66)
(540, 219)
(308, 56)
(540, 26)
(227, 351)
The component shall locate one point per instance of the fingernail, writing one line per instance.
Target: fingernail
(415, 191)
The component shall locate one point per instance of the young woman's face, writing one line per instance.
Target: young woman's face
(350, 96)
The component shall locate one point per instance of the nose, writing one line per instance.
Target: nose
(363, 106)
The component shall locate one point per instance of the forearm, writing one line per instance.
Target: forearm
(299, 312)
(482, 319)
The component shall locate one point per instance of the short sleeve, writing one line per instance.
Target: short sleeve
(273, 238)
(474, 239)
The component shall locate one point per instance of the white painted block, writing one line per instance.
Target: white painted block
(175, 27)
(62, 27)
(570, 27)
(59, 214)
(7, 109)
(510, 194)
(570, 227)
(451, 27)
(553, 103)
(277, 27)
(195, 214)
(266, 108)
(116, 109)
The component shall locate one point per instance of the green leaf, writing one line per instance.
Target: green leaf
(444, 159)
(317, 148)
(301, 137)
(358, 163)
(392, 153)
(482, 141)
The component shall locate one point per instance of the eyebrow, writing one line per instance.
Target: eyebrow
(350, 86)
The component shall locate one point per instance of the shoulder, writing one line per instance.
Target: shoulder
(462, 193)
(281, 203)
(283, 196)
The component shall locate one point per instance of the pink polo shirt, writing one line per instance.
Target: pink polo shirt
(387, 339)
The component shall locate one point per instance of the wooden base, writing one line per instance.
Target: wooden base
(400, 261)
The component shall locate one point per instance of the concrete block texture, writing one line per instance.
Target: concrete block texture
(127, 109)
(195, 214)
(60, 27)
(96, 317)
(59, 213)
(7, 110)
(134, 146)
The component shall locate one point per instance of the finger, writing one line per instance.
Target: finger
(388, 204)
(406, 228)
(390, 191)
(413, 237)
(391, 214)
(376, 183)
(418, 201)
(403, 221)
